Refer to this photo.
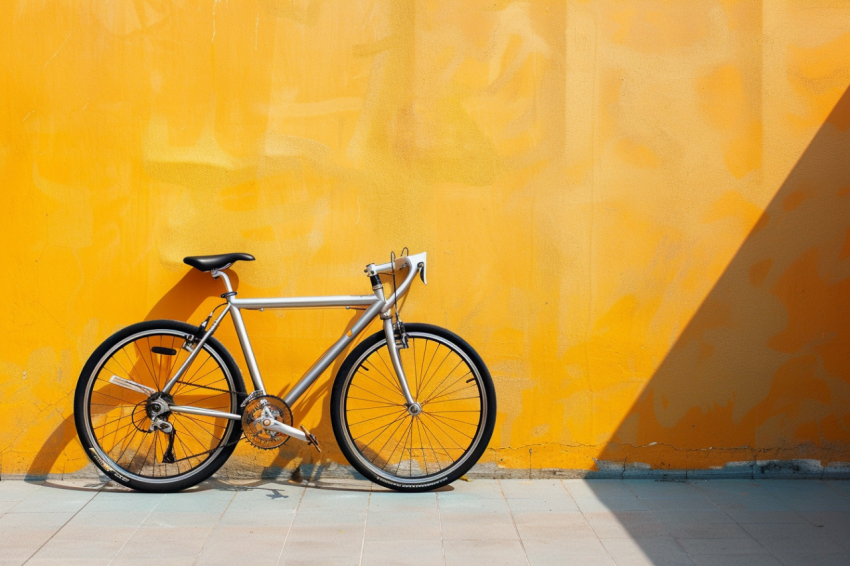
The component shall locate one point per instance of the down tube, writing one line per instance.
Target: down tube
(328, 357)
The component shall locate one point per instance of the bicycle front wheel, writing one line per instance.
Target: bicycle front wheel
(400, 450)
(114, 423)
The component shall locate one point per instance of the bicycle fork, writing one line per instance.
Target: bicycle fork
(412, 406)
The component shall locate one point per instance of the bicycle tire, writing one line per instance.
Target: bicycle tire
(112, 401)
(385, 398)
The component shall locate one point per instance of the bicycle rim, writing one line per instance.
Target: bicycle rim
(118, 425)
(403, 448)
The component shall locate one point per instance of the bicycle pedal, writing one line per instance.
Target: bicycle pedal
(311, 439)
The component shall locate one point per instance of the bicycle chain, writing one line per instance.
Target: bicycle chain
(238, 394)
(241, 438)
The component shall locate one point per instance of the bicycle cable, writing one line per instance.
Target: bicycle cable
(395, 287)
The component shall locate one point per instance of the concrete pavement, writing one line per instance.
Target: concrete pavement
(490, 522)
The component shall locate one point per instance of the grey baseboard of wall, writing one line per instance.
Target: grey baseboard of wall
(315, 473)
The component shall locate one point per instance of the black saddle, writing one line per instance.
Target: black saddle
(220, 261)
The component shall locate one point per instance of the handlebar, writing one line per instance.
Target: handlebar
(415, 264)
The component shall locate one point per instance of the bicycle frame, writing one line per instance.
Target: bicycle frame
(377, 305)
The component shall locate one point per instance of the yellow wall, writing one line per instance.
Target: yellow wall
(636, 210)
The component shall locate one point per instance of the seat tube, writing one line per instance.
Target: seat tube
(247, 351)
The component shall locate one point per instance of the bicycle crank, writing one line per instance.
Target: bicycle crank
(267, 422)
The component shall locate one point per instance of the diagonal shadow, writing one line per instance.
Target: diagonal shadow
(758, 383)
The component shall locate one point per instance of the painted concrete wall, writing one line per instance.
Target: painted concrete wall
(636, 210)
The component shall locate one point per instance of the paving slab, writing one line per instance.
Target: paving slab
(655, 551)
(491, 522)
(403, 552)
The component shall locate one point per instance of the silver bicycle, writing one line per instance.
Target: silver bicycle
(161, 405)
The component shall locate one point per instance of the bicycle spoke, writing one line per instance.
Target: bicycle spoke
(381, 357)
(188, 378)
(110, 422)
(440, 392)
(371, 408)
(437, 388)
(396, 390)
(429, 433)
(415, 373)
(410, 450)
(403, 414)
(431, 361)
(115, 419)
(371, 393)
(438, 368)
(372, 419)
(377, 454)
(196, 401)
(107, 395)
(197, 425)
(458, 421)
(439, 427)
(401, 455)
(130, 433)
(193, 455)
(129, 443)
(448, 425)
(422, 445)
(202, 422)
(129, 374)
(432, 441)
(150, 355)
(393, 384)
(403, 436)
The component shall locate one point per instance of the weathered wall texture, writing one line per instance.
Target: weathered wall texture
(636, 210)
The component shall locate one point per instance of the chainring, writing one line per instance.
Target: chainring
(266, 406)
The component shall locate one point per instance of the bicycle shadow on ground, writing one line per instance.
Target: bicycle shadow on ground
(276, 489)
(761, 371)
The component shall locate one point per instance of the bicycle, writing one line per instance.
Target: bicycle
(161, 405)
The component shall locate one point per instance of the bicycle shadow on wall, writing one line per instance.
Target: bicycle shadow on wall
(761, 372)
(180, 303)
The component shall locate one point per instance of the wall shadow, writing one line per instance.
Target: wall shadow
(758, 383)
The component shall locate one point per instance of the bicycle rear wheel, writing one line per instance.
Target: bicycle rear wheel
(403, 451)
(113, 422)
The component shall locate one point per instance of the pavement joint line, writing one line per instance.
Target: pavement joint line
(139, 526)
(226, 507)
(767, 550)
(697, 542)
(513, 522)
(365, 525)
(440, 522)
(291, 524)
(605, 548)
(71, 518)
(832, 487)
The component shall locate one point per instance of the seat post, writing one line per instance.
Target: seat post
(216, 273)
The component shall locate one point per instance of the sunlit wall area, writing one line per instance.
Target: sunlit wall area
(637, 211)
